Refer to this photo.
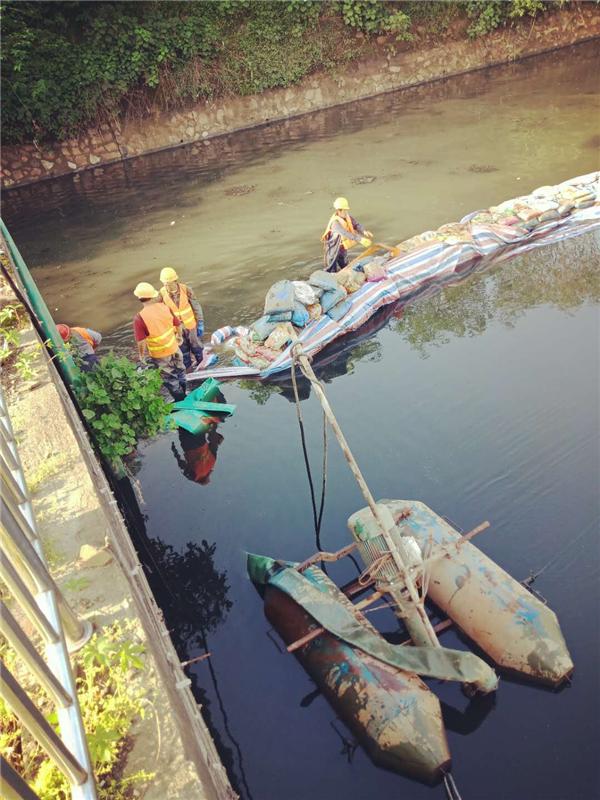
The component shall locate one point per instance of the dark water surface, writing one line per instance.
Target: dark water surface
(482, 400)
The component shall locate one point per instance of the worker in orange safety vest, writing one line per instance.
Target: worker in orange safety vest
(84, 342)
(156, 331)
(180, 299)
(342, 233)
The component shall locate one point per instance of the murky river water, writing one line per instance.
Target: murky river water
(250, 209)
(481, 400)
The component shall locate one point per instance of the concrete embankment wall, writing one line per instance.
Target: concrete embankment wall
(75, 506)
(383, 73)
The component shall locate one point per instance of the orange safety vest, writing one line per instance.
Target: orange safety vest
(184, 312)
(345, 222)
(161, 339)
(85, 335)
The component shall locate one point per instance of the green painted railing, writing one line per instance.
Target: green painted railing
(40, 309)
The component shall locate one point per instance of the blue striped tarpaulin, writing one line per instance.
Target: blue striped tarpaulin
(437, 263)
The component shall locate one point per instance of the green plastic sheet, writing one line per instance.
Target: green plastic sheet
(320, 600)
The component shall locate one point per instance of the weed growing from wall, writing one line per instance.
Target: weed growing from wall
(111, 696)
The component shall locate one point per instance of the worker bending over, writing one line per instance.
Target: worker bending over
(342, 233)
(84, 342)
(156, 332)
(182, 303)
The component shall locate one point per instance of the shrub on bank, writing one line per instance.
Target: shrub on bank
(67, 65)
(121, 405)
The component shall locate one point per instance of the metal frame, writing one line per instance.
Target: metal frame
(40, 309)
(24, 571)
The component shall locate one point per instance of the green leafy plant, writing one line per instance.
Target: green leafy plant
(121, 404)
(111, 697)
(24, 364)
(490, 14)
(367, 15)
(11, 320)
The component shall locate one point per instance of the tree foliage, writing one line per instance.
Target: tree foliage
(67, 65)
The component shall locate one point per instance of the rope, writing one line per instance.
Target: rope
(451, 788)
(426, 571)
(317, 516)
(370, 573)
(568, 545)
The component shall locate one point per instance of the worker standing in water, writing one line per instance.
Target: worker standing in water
(84, 342)
(181, 301)
(342, 233)
(156, 332)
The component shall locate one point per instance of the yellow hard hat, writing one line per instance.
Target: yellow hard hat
(145, 291)
(341, 204)
(167, 275)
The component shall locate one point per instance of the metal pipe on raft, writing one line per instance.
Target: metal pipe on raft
(419, 608)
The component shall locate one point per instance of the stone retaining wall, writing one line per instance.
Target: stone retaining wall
(29, 163)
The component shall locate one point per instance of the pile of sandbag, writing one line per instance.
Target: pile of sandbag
(543, 205)
(298, 303)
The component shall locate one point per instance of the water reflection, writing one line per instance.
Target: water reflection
(115, 187)
(193, 595)
(199, 454)
(467, 721)
(564, 275)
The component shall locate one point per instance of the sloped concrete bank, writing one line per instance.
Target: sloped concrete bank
(385, 72)
(74, 506)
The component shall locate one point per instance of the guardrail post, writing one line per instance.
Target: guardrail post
(24, 570)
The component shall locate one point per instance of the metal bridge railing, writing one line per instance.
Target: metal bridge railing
(24, 571)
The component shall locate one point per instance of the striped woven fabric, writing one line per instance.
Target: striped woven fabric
(438, 263)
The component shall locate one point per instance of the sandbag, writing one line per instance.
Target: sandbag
(526, 214)
(331, 298)
(279, 338)
(300, 317)
(281, 316)
(565, 209)
(510, 219)
(375, 271)
(305, 293)
(350, 278)
(280, 298)
(585, 203)
(324, 280)
(262, 328)
(542, 205)
(545, 191)
(226, 332)
(315, 311)
(340, 310)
